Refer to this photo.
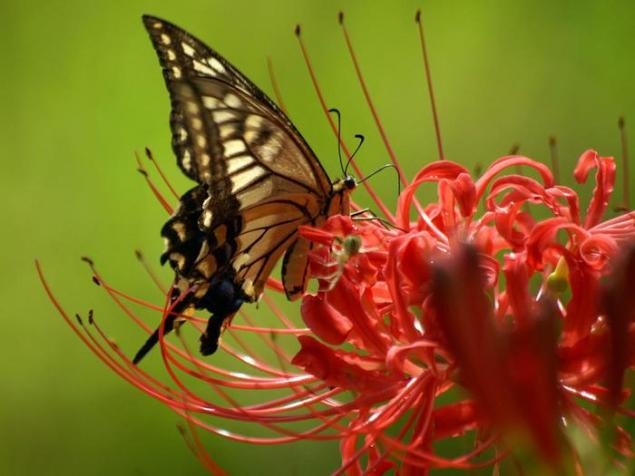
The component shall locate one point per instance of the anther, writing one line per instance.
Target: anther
(86, 259)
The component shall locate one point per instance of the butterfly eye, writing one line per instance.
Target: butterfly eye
(350, 182)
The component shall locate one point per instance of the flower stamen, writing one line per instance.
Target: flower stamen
(428, 75)
(369, 101)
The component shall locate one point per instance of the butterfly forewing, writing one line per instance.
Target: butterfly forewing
(215, 108)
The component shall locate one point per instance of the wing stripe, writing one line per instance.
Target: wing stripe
(267, 227)
(268, 255)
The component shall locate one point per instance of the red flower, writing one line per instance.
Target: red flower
(434, 311)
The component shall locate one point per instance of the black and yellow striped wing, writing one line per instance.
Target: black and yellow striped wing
(257, 178)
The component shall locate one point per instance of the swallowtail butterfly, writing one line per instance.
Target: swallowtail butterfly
(256, 178)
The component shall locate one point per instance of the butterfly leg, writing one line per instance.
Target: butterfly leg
(356, 216)
(210, 339)
(329, 282)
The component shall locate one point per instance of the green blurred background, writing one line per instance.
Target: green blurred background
(80, 90)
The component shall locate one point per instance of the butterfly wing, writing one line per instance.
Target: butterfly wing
(261, 179)
(215, 107)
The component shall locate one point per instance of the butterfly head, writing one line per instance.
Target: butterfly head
(346, 184)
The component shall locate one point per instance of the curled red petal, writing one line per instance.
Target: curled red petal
(334, 368)
(455, 419)
(447, 207)
(573, 202)
(356, 303)
(521, 189)
(511, 161)
(414, 258)
(489, 267)
(403, 323)
(439, 170)
(543, 236)
(517, 281)
(584, 361)
(316, 235)
(596, 250)
(604, 182)
(620, 228)
(582, 309)
(328, 324)
(507, 220)
(340, 225)
(465, 193)
(433, 172)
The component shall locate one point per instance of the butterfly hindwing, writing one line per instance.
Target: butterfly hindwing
(264, 239)
(295, 268)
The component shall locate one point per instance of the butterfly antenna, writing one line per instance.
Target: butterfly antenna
(384, 167)
(339, 137)
(361, 139)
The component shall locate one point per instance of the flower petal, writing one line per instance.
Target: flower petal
(604, 182)
(328, 324)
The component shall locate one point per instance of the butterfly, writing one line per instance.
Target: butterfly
(257, 181)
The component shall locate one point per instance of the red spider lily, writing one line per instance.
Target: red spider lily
(419, 305)
(466, 316)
